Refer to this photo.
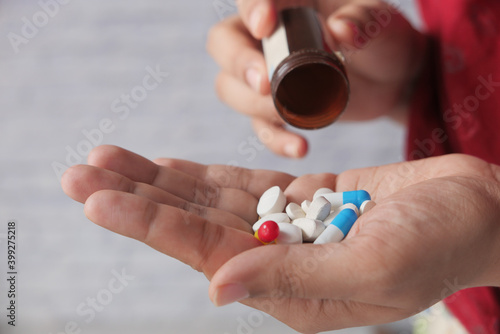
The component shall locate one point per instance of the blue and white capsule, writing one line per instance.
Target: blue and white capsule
(356, 197)
(339, 227)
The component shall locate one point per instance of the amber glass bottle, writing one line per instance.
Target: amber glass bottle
(309, 83)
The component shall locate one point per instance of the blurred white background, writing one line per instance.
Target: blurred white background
(62, 82)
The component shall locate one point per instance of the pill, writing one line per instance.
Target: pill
(294, 211)
(366, 206)
(289, 234)
(334, 214)
(322, 191)
(330, 217)
(268, 232)
(357, 197)
(319, 209)
(305, 205)
(311, 228)
(277, 217)
(339, 227)
(273, 200)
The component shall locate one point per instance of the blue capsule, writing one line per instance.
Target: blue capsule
(339, 227)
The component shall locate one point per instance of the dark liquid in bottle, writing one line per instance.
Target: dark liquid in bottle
(309, 86)
(312, 95)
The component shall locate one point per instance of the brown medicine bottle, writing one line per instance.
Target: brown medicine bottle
(309, 83)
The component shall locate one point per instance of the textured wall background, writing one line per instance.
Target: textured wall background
(62, 82)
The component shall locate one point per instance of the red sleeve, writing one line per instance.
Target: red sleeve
(426, 135)
(456, 109)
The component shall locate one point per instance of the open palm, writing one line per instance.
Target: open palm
(435, 223)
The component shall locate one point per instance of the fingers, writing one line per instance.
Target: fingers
(187, 179)
(253, 181)
(279, 140)
(222, 190)
(370, 33)
(176, 182)
(304, 187)
(241, 97)
(260, 16)
(170, 230)
(345, 22)
(239, 54)
(267, 124)
(80, 182)
(124, 162)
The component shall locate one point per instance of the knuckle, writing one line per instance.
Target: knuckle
(164, 162)
(221, 177)
(195, 209)
(206, 194)
(243, 177)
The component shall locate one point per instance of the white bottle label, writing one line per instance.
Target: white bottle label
(275, 48)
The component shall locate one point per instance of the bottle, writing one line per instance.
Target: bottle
(309, 83)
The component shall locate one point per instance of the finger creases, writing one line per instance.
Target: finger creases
(82, 181)
(221, 187)
(185, 236)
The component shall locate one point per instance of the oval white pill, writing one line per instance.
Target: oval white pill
(305, 205)
(319, 209)
(322, 191)
(289, 234)
(294, 211)
(336, 199)
(276, 217)
(311, 228)
(366, 206)
(273, 200)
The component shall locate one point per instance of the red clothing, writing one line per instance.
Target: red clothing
(456, 109)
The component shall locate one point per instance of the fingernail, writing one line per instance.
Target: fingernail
(255, 19)
(291, 150)
(254, 78)
(230, 293)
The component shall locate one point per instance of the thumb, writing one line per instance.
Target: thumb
(260, 16)
(368, 36)
(347, 25)
(308, 271)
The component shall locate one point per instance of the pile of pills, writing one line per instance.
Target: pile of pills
(327, 218)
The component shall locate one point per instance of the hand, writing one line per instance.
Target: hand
(381, 64)
(435, 224)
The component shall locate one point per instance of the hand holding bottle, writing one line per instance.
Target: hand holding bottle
(384, 54)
